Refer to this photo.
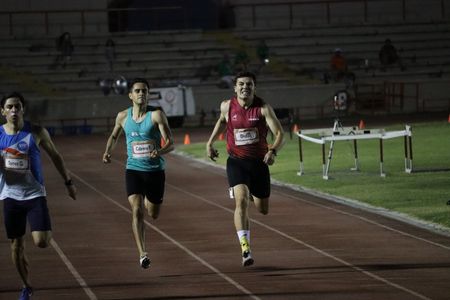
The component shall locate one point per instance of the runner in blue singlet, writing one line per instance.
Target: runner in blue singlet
(21, 183)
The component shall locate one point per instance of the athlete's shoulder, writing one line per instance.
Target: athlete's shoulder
(225, 103)
(225, 106)
(122, 114)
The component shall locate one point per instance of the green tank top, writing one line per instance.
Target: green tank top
(142, 138)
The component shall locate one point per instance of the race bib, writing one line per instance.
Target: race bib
(16, 162)
(246, 136)
(142, 149)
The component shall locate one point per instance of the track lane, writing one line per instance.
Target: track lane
(96, 237)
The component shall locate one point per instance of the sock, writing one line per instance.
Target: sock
(245, 233)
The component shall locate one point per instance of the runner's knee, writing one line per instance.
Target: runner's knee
(263, 210)
(41, 239)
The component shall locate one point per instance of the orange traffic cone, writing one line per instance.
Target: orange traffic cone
(221, 137)
(362, 125)
(187, 139)
(295, 128)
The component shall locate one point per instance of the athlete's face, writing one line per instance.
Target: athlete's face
(244, 88)
(13, 110)
(138, 93)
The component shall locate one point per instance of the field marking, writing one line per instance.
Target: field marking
(366, 220)
(74, 271)
(345, 202)
(174, 241)
(324, 253)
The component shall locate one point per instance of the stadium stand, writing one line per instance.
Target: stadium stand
(298, 57)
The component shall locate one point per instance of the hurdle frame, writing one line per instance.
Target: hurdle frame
(354, 134)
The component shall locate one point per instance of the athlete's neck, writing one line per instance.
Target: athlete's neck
(13, 127)
(245, 102)
(139, 111)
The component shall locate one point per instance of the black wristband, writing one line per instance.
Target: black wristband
(274, 151)
(68, 182)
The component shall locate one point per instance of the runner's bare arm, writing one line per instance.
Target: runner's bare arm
(219, 128)
(277, 130)
(114, 137)
(159, 118)
(47, 144)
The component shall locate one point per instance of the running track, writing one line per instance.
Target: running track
(306, 248)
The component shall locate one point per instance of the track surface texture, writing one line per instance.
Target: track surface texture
(305, 248)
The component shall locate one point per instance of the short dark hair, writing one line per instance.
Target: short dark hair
(245, 74)
(137, 80)
(13, 95)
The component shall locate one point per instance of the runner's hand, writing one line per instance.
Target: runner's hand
(154, 154)
(106, 158)
(212, 153)
(72, 191)
(269, 158)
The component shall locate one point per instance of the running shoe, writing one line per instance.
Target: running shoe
(247, 259)
(144, 261)
(26, 293)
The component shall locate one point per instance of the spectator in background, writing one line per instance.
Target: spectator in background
(388, 56)
(110, 52)
(225, 70)
(65, 47)
(338, 65)
(339, 70)
(241, 59)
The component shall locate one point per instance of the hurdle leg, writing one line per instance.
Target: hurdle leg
(300, 154)
(324, 175)
(408, 128)
(330, 156)
(405, 145)
(382, 174)
(355, 150)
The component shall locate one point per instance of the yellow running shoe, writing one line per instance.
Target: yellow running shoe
(247, 259)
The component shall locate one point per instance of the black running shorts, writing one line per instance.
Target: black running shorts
(17, 212)
(253, 173)
(148, 184)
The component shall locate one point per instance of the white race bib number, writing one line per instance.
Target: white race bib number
(142, 149)
(246, 136)
(16, 162)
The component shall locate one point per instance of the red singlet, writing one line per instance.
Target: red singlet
(246, 130)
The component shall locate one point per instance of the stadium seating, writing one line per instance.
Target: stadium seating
(298, 57)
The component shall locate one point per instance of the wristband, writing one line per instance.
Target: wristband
(68, 182)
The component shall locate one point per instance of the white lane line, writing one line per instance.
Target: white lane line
(324, 253)
(175, 242)
(74, 271)
(333, 199)
(365, 220)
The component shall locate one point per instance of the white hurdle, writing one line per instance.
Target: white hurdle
(339, 133)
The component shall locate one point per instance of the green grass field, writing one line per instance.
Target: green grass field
(422, 194)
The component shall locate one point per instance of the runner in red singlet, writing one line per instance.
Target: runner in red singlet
(247, 119)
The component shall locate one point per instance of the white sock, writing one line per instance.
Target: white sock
(245, 233)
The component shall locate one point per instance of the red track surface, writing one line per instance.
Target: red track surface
(306, 248)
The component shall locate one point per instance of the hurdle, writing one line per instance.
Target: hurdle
(340, 133)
